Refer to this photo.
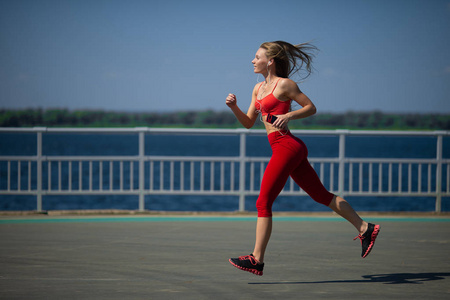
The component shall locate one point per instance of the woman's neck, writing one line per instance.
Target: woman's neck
(270, 79)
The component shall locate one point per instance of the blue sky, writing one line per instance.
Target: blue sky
(385, 55)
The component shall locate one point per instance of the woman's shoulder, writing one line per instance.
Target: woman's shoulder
(288, 88)
(286, 83)
(257, 86)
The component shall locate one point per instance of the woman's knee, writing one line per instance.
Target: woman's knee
(264, 207)
(322, 196)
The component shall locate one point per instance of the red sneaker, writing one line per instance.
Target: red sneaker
(368, 239)
(248, 263)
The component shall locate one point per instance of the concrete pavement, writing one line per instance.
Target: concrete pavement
(186, 257)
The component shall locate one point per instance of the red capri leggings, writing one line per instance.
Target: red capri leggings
(289, 158)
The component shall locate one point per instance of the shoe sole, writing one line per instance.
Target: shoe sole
(374, 235)
(256, 272)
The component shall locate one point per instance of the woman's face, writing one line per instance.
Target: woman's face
(260, 61)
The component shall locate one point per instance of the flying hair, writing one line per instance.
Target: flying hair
(290, 59)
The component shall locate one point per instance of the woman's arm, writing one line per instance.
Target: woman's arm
(247, 120)
(289, 90)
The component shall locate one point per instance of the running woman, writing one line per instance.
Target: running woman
(272, 98)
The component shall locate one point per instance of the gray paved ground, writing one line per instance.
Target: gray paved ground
(138, 258)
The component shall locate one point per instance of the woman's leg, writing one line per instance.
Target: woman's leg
(274, 179)
(263, 232)
(306, 177)
(344, 209)
(286, 156)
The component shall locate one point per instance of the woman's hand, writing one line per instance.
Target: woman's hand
(231, 100)
(281, 122)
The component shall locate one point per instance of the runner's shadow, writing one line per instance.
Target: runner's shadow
(396, 278)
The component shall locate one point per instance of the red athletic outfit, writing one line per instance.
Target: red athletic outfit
(289, 158)
(271, 105)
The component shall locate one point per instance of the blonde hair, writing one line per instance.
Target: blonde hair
(290, 59)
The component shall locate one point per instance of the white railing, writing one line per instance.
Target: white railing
(240, 175)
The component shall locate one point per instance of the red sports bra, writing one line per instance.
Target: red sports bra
(271, 105)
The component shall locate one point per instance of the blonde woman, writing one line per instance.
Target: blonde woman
(272, 98)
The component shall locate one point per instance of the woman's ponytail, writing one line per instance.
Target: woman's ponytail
(290, 59)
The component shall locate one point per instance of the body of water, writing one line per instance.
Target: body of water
(201, 145)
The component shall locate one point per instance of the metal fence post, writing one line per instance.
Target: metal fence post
(439, 146)
(39, 160)
(242, 155)
(141, 167)
(341, 179)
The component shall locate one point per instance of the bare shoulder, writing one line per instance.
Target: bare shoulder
(288, 89)
(256, 88)
(288, 84)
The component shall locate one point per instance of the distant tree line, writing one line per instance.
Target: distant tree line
(214, 119)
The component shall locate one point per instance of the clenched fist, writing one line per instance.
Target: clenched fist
(231, 100)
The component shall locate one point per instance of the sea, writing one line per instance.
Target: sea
(90, 144)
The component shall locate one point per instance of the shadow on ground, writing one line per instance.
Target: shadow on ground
(396, 278)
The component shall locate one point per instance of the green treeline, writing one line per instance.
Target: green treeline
(212, 119)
